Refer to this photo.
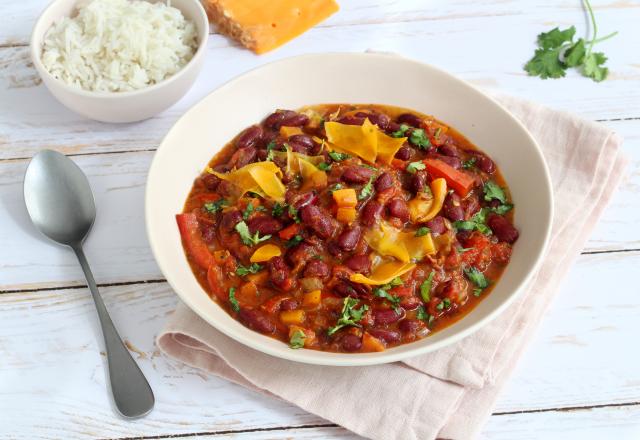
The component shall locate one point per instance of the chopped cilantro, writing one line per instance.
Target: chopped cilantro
(423, 230)
(493, 192)
(413, 167)
(366, 190)
(293, 213)
(440, 306)
(425, 287)
(213, 207)
(235, 305)
(297, 339)
(323, 166)
(394, 300)
(338, 156)
(477, 291)
(469, 164)
(336, 187)
(270, 147)
(247, 238)
(419, 138)
(400, 132)
(477, 222)
(366, 165)
(293, 241)
(446, 302)
(250, 209)
(349, 315)
(246, 270)
(278, 210)
(422, 314)
(476, 277)
(502, 209)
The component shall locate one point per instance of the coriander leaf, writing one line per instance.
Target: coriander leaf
(546, 64)
(493, 192)
(422, 231)
(247, 211)
(425, 287)
(235, 305)
(297, 339)
(593, 66)
(246, 270)
(394, 300)
(413, 167)
(247, 238)
(469, 164)
(213, 207)
(477, 291)
(350, 316)
(323, 166)
(440, 306)
(477, 222)
(422, 314)
(338, 156)
(277, 210)
(574, 56)
(366, 190)
(335, 187)
(397, 281)
(446, 302)
(419, 138)
(400, 132)
(502, 209)
(293, 213)
(476, 277)
(270, 147)
(556, 37)
(293, 241)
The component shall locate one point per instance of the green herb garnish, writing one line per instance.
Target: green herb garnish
(278, 210)
(477, 222)
(425, 287)
(293, 213)
(419, 138)
(366, 190)
(493, 192)
(246, 270)
(297, 339)
(247, 238)
(350, 316)
(400, 132)
(469, 164)
(213, 207)
(477, 278)
(293, 241)
(338, 156)
(270, 148)
(394, 300)
(423, 230)
(250, 209)
(323, 166)
(414, 167)
(502, 209)
(235, 305)
(335, 187)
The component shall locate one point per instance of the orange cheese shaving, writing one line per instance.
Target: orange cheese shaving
(383, 274)
(260, 177)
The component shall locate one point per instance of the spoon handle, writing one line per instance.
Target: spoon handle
(131, 391)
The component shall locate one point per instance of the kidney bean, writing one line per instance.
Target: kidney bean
(289, 304)
(389, 336)
(449, 150)
(452, 208)
(350, 342)
(483, 162)
(226, 188)
(502, 228)
(334, 250)
(298, 200)
(287, 118)
(384, 181)
(471, 206)
(437, 225)
(410, 119)
(392, 127)
(398, 208)
(410, 325)
(251, 137)
(371, 213)
(230, 219)
(351, 120)
(317, 269)
(279, 273)
(256, 320)
(348, 239)
(379, 119)
(208, 232)
(345, 289)
(419, 181)
(387, 316)
(318, 220)
(301, 143)
(356, 174)
(410, 303)
(358, 263)
(210, 181)
(242, 157)
(405, 152)
(454, 162)
(300, 254)
(264, 224)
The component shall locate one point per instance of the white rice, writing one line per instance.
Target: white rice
(119, 45)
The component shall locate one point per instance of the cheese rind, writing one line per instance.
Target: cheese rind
(264, 25)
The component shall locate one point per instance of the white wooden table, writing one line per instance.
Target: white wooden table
(580, 379)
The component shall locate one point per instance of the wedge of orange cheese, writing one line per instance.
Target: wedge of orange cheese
(263, 25)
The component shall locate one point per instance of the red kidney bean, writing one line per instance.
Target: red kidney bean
(502, 228)
(287, 118)
(210, 181)
(334, 250)
(437, 225)
(384, 181)
(410, 303)
(454, 162)
(351, 120)
(398, 208)
(405, 152)
(251, 137)
(389, 336)
(242, 157)
(279, 273)
(317, 269)
(301, 143)
(356, 174)
(264, 224)
(392, 127)
(230, 219)
(452, 208)
(300, 254)
(298, 200)
(256, 320)
(387, 316)
(348, 239)
(379, 119)
(289, 304)
(410, 325)
(318, 220)
(419, 181)
(449, 150)
(358, 263)
(410, 119)
(350, 342)
(483, 162)
(371, 213)
(226, 188)
(471, 205)
(345, 289)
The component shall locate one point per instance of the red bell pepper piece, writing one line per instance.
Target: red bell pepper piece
(459, 181)
(197, 249)
(290, 231)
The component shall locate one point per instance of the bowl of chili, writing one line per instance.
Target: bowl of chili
(348, 209)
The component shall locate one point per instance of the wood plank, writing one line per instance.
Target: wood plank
(52, 383)
(453, 37)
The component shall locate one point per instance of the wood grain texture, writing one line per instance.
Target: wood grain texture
(52, 379)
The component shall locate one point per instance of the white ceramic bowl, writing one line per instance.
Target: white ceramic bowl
(121, 106)
(346, 78)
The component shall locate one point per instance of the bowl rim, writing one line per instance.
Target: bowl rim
(363, 359)
(37, 62)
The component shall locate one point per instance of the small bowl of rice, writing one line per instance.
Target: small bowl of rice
(120, 60)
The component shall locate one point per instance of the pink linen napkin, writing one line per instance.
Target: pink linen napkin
(449, 393)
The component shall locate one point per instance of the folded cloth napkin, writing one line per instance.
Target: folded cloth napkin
(449, 393)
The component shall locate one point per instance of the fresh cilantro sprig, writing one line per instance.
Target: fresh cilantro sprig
(250, 209)
(293, 241)
(277, 210)
(213, 207)
(323, 166)
(425, 287)
(246, 270)
(557, 52)
(477, 222)
(271, 146)
(419, 138)
(382, 292)
(338, 157)
(493, 192)
(414, 167)
(243, 230)
(477, 278)
(350, 316)
(423, 230)
(469, 164)
(400, 132)
(424, 316)
(235, 305)
(366, 190)
(297, 339)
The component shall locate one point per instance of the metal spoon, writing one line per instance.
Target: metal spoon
(61, 206)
